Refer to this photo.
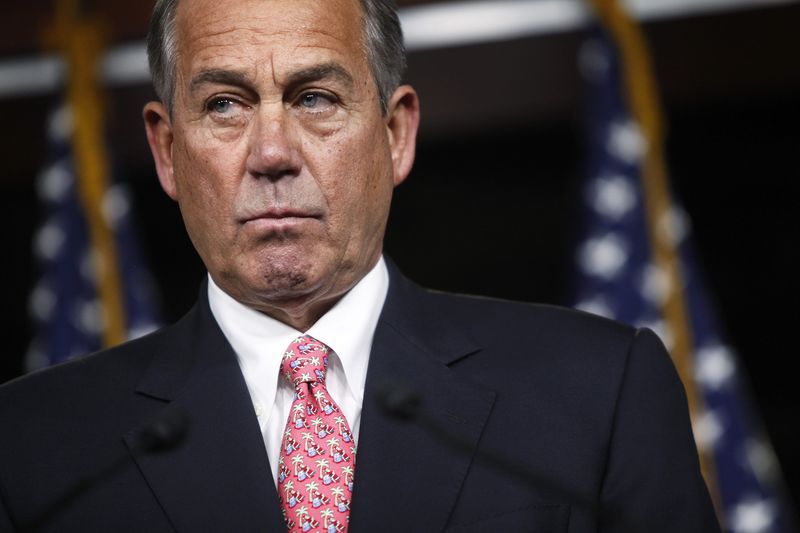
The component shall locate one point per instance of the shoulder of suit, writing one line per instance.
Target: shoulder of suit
(554, 349)
(111, 369)
(509, 314)
(553, 328)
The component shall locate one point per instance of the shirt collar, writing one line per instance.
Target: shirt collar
(347, 328)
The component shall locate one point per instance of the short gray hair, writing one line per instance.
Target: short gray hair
(383, 41)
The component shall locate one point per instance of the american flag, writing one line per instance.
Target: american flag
(619, 278)
(65, 303)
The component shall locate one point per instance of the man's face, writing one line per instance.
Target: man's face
(277, 150)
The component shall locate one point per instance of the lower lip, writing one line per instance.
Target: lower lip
(278, 224)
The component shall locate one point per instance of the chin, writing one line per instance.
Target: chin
(284, 282)
(283, 276)
(281, 281)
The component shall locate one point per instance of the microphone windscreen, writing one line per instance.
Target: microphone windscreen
(168, 429)
(399, 401)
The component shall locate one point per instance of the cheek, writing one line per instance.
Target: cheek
(201, 194)
(361, 192)
(203, 170)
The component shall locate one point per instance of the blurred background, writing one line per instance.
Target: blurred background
(495, 204)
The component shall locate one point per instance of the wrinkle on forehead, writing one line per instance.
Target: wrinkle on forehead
(207, 20)
(265, 39)
(232, 44)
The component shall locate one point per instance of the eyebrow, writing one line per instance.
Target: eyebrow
(220, 77)
(305, 75)
(320, 72)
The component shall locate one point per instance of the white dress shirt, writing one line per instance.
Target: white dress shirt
(260, 341)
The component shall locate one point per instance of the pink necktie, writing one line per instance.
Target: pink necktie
(315, 469)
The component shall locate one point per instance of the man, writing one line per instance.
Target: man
(281, 133)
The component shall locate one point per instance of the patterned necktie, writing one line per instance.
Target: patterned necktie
(315, 469)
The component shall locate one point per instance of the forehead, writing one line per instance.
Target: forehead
(250, 33)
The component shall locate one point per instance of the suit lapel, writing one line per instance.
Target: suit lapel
(399, 464)
(219, 478)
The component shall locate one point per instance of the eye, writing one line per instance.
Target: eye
(316, 101)
(221, 106)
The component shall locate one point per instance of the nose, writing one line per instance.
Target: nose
(274, 152)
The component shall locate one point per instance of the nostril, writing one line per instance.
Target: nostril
(273, 147)
(277, 175)
(274, 163)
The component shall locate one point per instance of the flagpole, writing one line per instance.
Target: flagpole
(81, 41)
(643, 98)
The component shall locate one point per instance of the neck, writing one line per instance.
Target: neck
(300, 316)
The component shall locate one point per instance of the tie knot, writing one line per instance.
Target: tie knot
(305, 361)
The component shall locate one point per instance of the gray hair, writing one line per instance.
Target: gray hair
(382, 38)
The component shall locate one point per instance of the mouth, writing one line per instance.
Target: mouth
(276, 219)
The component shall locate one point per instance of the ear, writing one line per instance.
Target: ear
(402, 122)
(158, 125)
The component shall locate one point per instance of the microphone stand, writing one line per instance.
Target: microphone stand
(402, 403)
(164, 432)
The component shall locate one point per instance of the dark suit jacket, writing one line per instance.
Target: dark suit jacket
(585, 402)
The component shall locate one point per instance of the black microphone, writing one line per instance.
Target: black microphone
(164, 432)
(399, 401)
(403, 403)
